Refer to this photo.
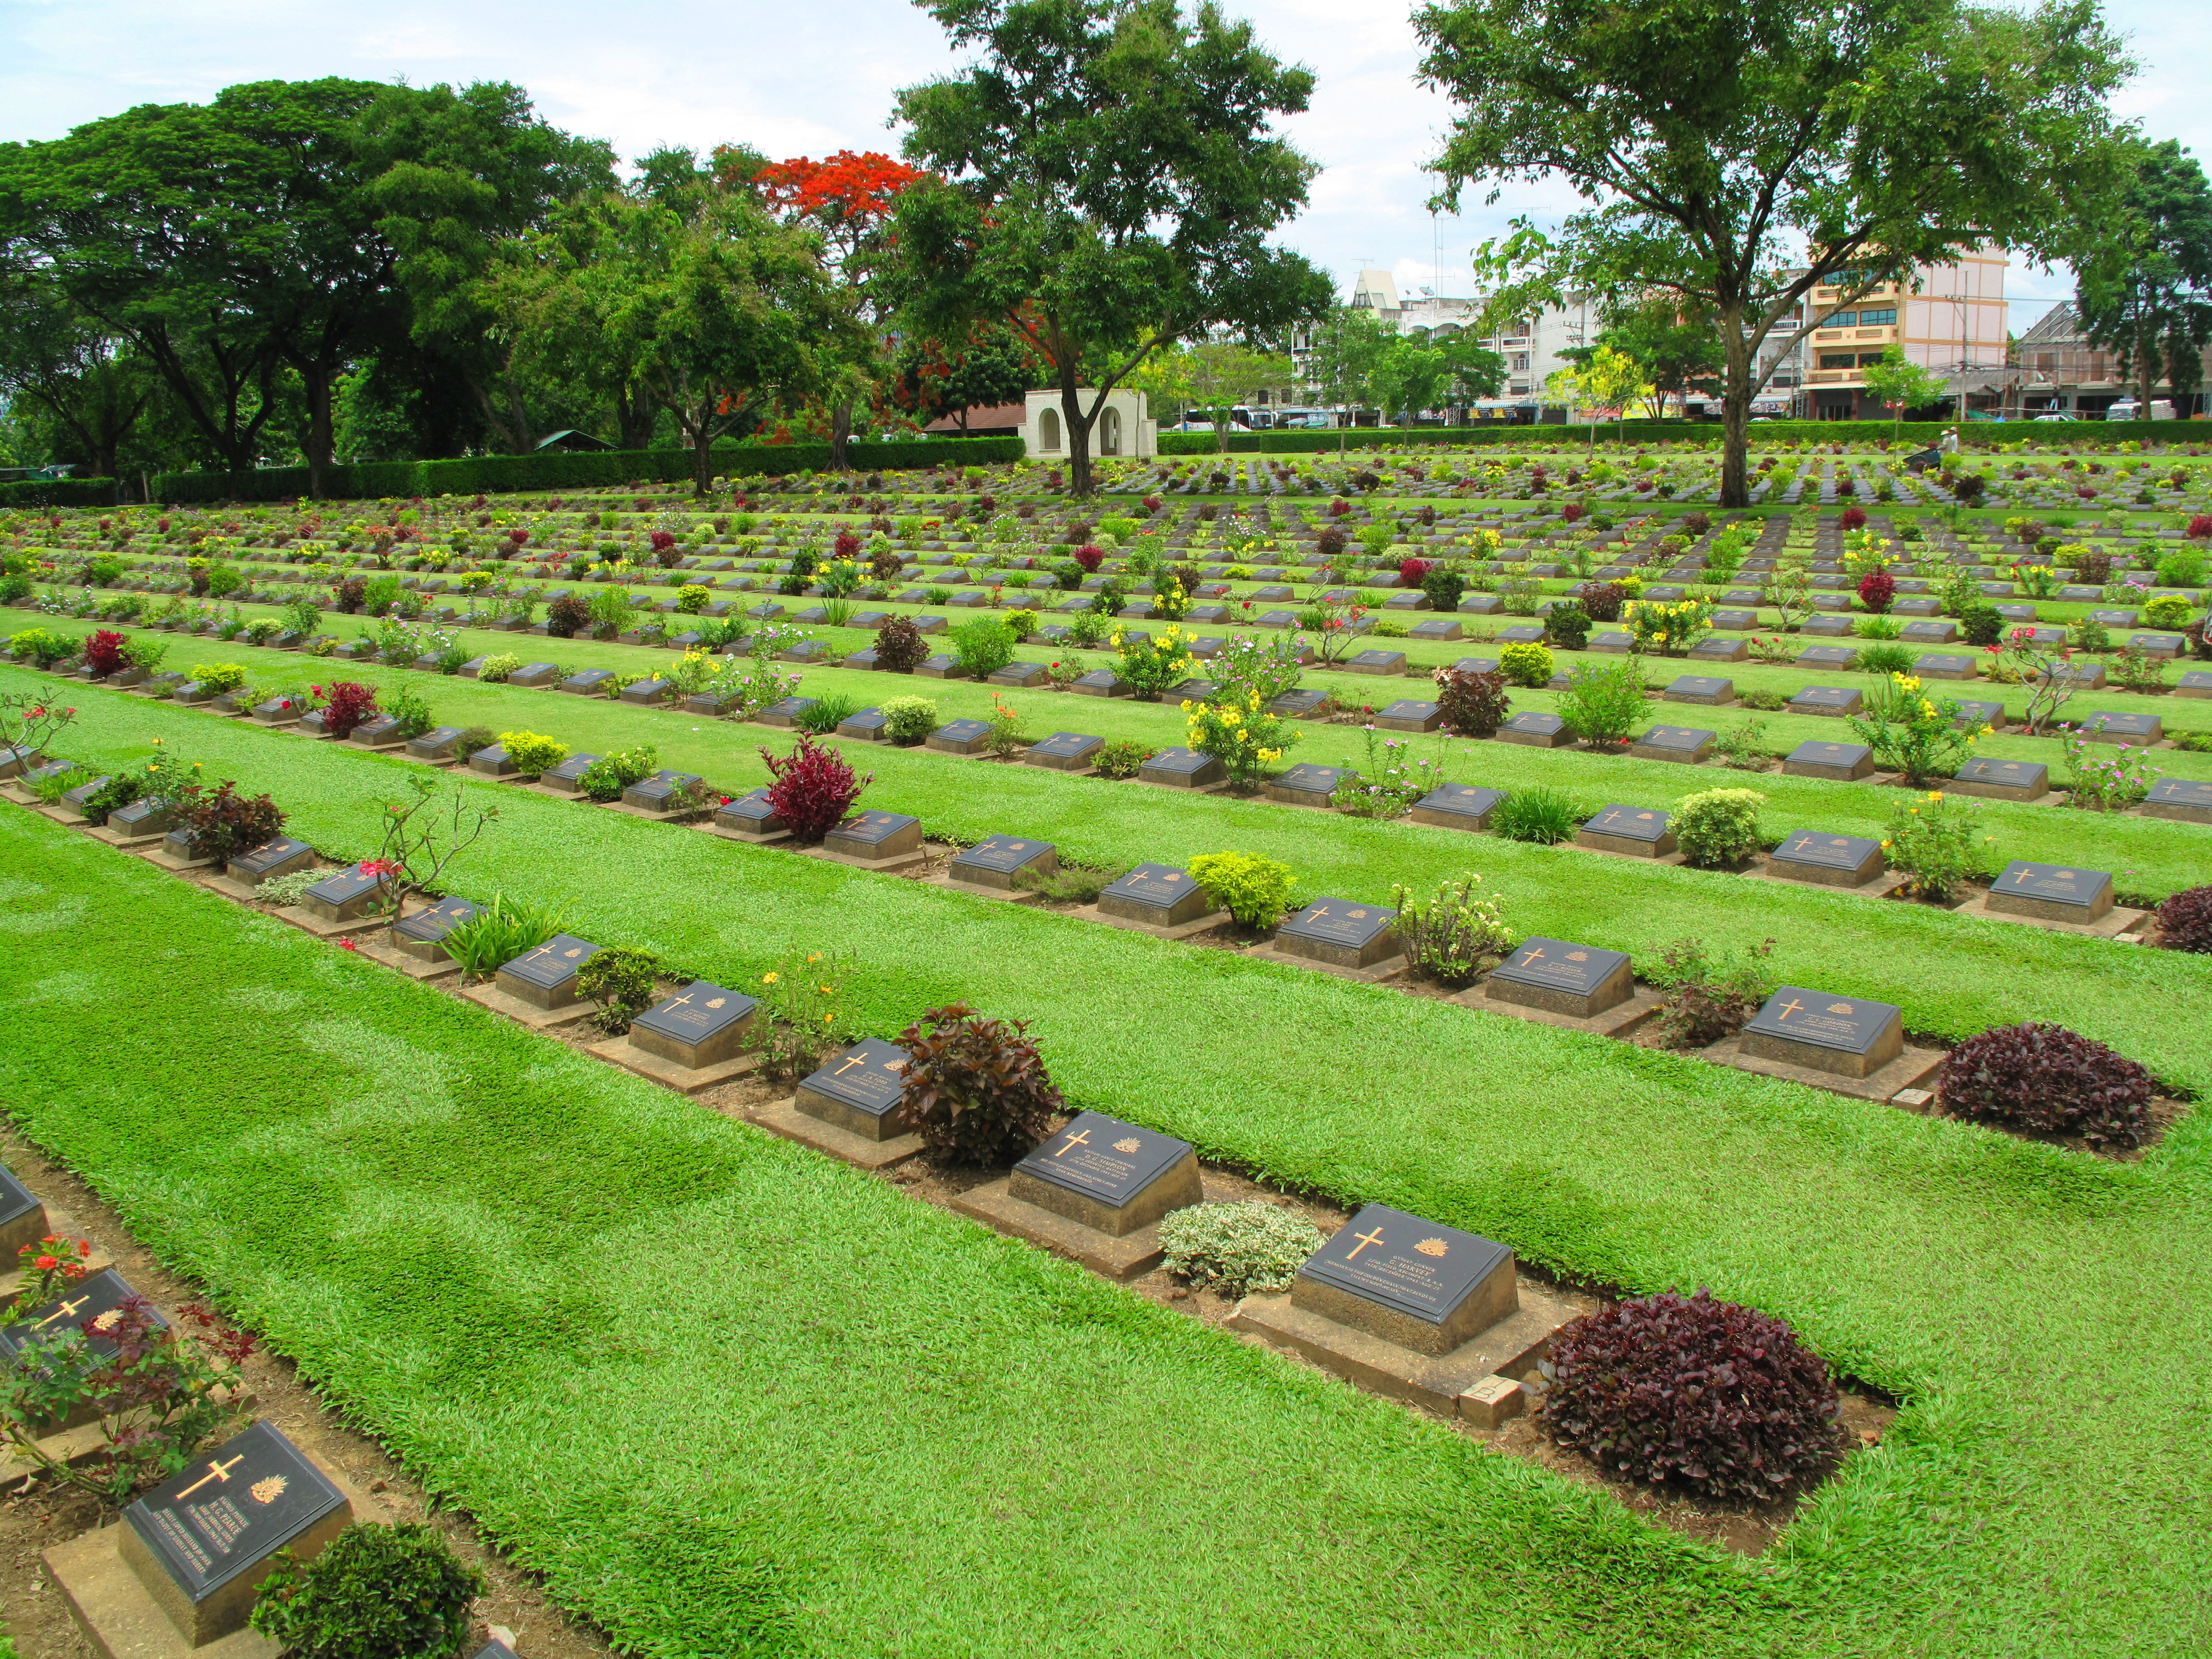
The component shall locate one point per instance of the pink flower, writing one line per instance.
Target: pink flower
(379, 867)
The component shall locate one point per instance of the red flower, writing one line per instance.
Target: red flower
(379, 867)
(45, 1264)
(347, 945)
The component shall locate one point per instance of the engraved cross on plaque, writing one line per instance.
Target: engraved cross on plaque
(1081, 1137)
(1788, 1009)
(216, 1472)
(1365, 1239)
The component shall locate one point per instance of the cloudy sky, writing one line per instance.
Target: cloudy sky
(804, 79)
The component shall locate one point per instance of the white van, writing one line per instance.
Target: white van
(2160, 409)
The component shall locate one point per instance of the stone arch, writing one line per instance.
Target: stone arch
(1048, 429)
(1109, 431)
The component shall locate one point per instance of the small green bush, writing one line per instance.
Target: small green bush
(1603, 704)
(909, 720)
(622, 982)
(1884, 657)
(1540, 814)
(984, 645)
(1238, 1248)
(499, 933)
(494, 669)
(1254, 889)
(1123, 757)
(605, 778)
(376, 1592)
(220, 677)
(290, 889)
(1525, 663)
(533, 755)
(1716, 829)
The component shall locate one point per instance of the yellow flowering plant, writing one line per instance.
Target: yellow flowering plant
(1240, 733)
(1668, 626)
(1154, 665)
(1934, 841)
(803, 1016)
(1913, 735)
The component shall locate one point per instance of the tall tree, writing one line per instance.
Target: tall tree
(79, 372)
(1898, 384)
(1681, 352)
(1219, 375)
(1348, 344)
(2144, 283)
(1108, 177)
(991, 365)
(1737, 155)
(1473, 371)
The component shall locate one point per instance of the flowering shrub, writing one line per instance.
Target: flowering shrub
(1453, 937)
(1718, 1396)
(1668, 626)
(1388, 782)
(103, 653)
(1933, 841)
(813, 789)
(43, 646)
(1255, 891)
(1716, 829)
(976, 1089)
(1911, 734)
(1256, 664)
(1525, 663)
(1153, 665)
(2105, 778)
(1238, 1248)
(1239, 733)
(2047, 1080)
(349, 704)
(2184, 920)
(1473, 703)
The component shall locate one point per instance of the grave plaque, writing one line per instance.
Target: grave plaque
(1687, 744)
(1826, 656)
(1944, 668)
(1019, 674)
(959, 737)
(663, 792)
(438, 744)
(1066, 751)
(91, 1305)
(1307, 785)
(1341, 934)
(1436, 628)
(2133, 729)
(279, 856)
(1537, 730)
(648, 692)
(749, 814)
(943, 666)
(344, 896)
(1480, 605)
(1560, 977)
(22, 1216)
(1528, 633)
(785, 712)
(1422, 1286)
(1833, 628)
(2002, 779)
(1826, 861)
(1835, 701)
(591, 681)
(1973, 716)
(1181, 769)
(1410, 714)
(1640, 832)
(1705, 689)
(1846, 1036)
(142, 820)
(1100, 683)
(1159, 895)
(567, 777)
(2184, 800)
(201, 1542)
(494, 762)
(1102, 1173)
(866, 726)
(1719, 651)
(546, 977)
(1376, 662)
(1475, 666)
(279, 711)
(1929, 631)
(994, 862)
(875, 837)
(1841, 761)
(381, 732)
(1735, 621)
(2052, 892)
(865, 659)
(858, 1090)
(1457, 806)
(701, 1026)
(1298, 705)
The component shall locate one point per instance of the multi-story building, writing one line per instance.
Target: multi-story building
(1530, 347)
(1949, 317)
(2060, 371)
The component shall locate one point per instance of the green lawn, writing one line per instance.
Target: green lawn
(1953, 975)
(730, 1397)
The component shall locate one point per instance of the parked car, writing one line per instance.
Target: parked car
(2160, 409)
(2056, 415)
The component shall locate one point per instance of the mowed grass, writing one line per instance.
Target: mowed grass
(723, 908)
(732, 1398)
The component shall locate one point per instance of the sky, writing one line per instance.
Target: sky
(795, 79)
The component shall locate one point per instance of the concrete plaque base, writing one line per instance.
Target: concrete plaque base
(1912, 1069)
(784, 1118)
(1129, 1256)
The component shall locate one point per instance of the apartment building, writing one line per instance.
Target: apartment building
(1949, 317)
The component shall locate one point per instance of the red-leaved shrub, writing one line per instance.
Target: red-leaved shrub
(2184, 921)
(349, 705)
(1091, 556)
(977, 1090)
(225, 823)
(1854, 518)
(2200, 526)
(848, 544)
(2050, 1080)
(1571, 512)
(1718, 1396)
(1471, 704)
(103, 653)
(1876, 589)
(813, 787)
(1602, 601)
(1412, 572)
(900, 647)
(662, 540)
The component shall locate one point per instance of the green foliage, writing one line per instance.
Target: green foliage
(622, 982)
(1602, 703)
(375, 1592)
(1121, 758)
(1453, 937)
(1936, 841)
(1711, 992)
(1911, 732)
(220, 676)
(1255, 891)
(1717, 828)
(909, 720)
(1525, 663)
(984, 645)
(1540, 814)
(499, 933)
(1245, 1249)
(605, 778)
(825, 715)
(533, 755)
(1155, 665)
(976, 1089)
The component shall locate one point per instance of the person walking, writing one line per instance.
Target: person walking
(1950, 441)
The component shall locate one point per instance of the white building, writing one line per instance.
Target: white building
(1530, 347)
(1124, 427)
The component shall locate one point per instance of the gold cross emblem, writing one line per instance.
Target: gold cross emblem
(1788, 1009)
(1365, 1239)
(67, 1310)
(1081, 1137)
(216, 1472)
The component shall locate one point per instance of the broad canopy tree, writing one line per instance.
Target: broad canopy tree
(1737, 155)
(2144, 281)
(1105, 179)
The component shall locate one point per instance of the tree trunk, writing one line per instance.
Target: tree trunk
(1735, 413)
(2147, 362)
(634, 418)
(841, 437)
(1078, 432)
(321, 438)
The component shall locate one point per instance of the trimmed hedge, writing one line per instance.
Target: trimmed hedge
(493, 474)
(59, 492)
(1975, 435)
